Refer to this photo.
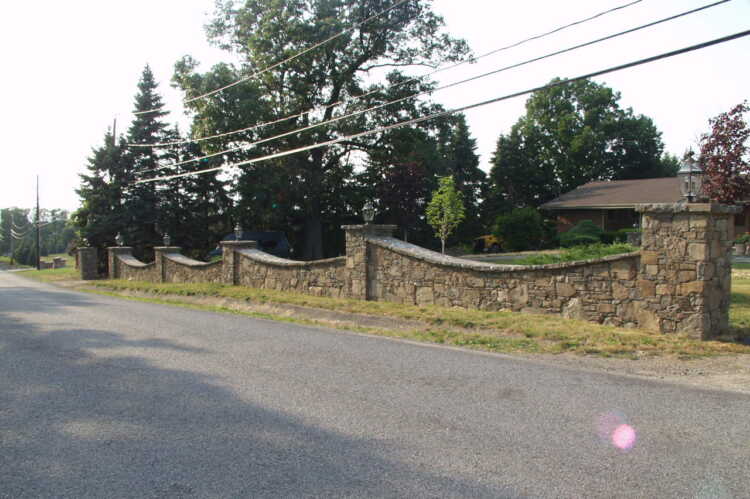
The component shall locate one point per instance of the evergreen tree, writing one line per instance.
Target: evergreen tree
(462, 164)
(143, 202)
(101, 215)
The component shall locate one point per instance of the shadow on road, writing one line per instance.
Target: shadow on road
(76, 425)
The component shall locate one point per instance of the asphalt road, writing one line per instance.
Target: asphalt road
(102, 397)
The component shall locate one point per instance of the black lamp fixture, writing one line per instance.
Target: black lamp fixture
(237, 232)
(691, 179)
(119, 240)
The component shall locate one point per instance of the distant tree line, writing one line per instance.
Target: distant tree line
(55, 236)
(569, 135)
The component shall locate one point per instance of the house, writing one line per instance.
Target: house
(611, 204)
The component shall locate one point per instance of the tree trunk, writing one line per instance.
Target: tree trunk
(442, 242)
(313, 238)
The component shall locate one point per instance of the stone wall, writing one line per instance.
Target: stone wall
(123, 265)
(319, 278)
(597, 290)
(678, 282)
(179, 268)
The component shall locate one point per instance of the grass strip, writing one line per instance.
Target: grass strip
(490, 331)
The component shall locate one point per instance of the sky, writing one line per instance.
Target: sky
(71, 68)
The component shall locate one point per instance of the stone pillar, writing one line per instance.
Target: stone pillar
(356, 274)
(684, 280)
(231, 261)
(159, 252)
(112, 263)
(88, 263)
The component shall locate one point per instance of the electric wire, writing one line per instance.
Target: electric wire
(288, 59)
(430, 91)
(412, 80)
(448, 112)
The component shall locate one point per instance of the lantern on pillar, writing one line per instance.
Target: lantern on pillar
(690, 176)
(237, 232)
(368, 212)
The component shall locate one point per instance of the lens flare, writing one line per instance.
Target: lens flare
(624, 437)
(613, 429)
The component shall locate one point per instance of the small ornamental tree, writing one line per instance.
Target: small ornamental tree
(725, 157)
(446, 209)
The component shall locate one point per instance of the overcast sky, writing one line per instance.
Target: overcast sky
(72, 67)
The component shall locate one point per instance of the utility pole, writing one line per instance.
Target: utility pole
(38, 222)
(12, 238)
(114, 133)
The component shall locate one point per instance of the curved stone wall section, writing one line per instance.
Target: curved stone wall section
(131, 269)
(258, 269)
(179, 268)
(601, 290)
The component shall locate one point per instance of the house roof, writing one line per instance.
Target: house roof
(618, 194)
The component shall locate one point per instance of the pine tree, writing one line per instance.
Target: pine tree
(101, 215)
(142, 204)
(462, 164)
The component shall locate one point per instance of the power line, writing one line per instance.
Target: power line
(436, 71)
(288, 59)
(430, 91)
(621, 67)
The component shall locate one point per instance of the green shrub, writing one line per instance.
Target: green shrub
(578, 253)
(584, 232)
(520, 230)
(743, 239)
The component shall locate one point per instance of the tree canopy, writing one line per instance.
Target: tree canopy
(264, 32)
(725, 156)
(572, 134)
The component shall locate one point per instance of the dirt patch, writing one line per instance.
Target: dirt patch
(729, 372)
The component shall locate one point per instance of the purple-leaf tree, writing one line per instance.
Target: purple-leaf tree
(724, 157)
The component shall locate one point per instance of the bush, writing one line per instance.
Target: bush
(520, 230)
(584, 232)
(743, 239)
(578, 253)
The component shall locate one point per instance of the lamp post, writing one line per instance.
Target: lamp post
(691, 179)
(237, 232)
(119, 240)
(166, 240)
(368, 212)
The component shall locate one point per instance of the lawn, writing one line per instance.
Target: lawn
(490, 331)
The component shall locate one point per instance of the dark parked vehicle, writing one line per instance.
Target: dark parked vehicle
(273, 242)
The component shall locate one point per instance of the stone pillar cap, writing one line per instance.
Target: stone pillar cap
(716, 208)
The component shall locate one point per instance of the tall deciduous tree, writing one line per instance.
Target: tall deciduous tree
(446, 210)
(572, 134)
(725, 156)
(264, 32)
